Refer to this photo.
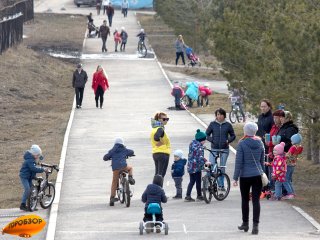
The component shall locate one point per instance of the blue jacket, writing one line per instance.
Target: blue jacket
(153, 194)
(192, 90)
(220, 134)
(118, 154)
(245, 165)
(178, 167)
(28, 169)
(196, 158)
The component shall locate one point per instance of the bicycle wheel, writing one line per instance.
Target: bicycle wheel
(207, 189)
(221, 186)
(48, 196)
(32, 200)
(126, 192)
(232, 116)
(143, 50)
(239, 117)
(120, 193)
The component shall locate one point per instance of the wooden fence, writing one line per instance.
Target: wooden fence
(11, 22)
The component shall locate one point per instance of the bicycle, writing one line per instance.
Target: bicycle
(42, 190)
(142, 49)
(236, 113)
(215, 182)
(123, 192)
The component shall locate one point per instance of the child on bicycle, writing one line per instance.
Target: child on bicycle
(28, 171)
(141, 35)
(118, 154)
(177, 92)
(154, 193)
(196, 162)
(177, 170)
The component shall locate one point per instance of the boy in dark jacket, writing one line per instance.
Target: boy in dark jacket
(118, 154)
(28, 171)
(154, 193)
(177, 170)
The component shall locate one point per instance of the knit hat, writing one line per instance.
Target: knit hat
(158, 180)
(35, 150)
(178, 153)
(200, 136)
(118, 140)
(279, 148)
(296, 138)
(250, 129)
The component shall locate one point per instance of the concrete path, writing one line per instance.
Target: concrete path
(138, 89)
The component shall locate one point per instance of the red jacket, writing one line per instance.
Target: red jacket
(205, 91)
(99, 79)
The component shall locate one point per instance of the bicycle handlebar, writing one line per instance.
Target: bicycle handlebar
(55, 167)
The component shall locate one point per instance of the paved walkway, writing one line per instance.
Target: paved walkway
(138, 89)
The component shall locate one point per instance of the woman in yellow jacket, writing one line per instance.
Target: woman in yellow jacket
(160, 142)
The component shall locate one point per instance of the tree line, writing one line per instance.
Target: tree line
(268, 49)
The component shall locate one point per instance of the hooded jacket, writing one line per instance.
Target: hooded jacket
(29, 169)
(196, 158)
(118, 154)
(154, 192)
(178, 167)
(286, 131)
(220, 134)
(249, 158)
(99, 80)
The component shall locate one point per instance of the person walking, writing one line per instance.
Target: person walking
(124, 7)
(124, 38)
(249, 164)
(99, 85)
(104, 31)
(98, 6)
(180, 47)
(117, 39)
(79, 81)
(110, 13)
(160, 142)
(220, 133)
(105, 4)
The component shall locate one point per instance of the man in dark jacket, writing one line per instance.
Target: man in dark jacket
(220, 133)
(28, 171)
(118, 154)
(110, 13)
(79, 80)
(104, 31)
(154, 193)
(287, 130)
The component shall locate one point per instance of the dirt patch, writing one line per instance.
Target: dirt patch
(36, 97)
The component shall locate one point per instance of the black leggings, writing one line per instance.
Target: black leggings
(161, 161)
(245, 184)
(99, 94)
(178, 54)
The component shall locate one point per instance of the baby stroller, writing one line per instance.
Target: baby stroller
(93, 31)
(194, 60)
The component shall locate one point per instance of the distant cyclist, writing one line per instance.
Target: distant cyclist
(141, 35)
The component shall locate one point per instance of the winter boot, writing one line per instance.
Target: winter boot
(131, 180)
(255, 228)
(244, 226)
(23, 207)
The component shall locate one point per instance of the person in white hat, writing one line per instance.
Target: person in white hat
(177, 170)
(28, 171)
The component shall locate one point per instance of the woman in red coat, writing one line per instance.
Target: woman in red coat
(99, 85)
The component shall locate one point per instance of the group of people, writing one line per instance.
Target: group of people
(194, 92)
(99, 85)
(107, 8)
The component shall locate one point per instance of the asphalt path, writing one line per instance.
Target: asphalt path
(138, 88)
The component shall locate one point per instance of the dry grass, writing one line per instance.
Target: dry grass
(36, 98)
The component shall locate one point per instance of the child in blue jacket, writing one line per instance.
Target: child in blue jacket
(177, 171)
(118, 154)
(28, 171)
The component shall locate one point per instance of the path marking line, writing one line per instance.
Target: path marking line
(308, 217)
(184, 228)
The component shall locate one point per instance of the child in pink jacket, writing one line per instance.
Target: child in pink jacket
(117, 39)
(279, 167)
(205, 92)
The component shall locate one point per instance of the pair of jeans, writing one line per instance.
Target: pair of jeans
(245, 184)
(104, 48)
(278, 189)
(79, 95)
(195, 178)
(288, 183)
(123, 46)
(26, 183)
(99, 94)
(224, 154)
(125, 12)
(110, 20)
(161, 161)
(178, 55)
(178, 185)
